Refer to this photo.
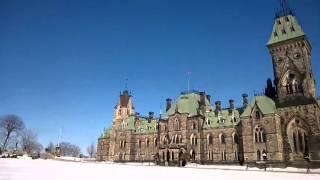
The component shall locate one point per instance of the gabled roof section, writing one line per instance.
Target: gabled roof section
(285, 28)
(224, 118)
(187, 103)
(264, 103)
(144, 125)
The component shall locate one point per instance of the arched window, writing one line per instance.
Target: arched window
(147, 142)
(172, 155)
(209, 139)
(258, 155)
(155, 141)
(177, 124)
(235, 138)
(139, 143)
(258, 114)
(180, 139)
(194, 126)
(297, 135)
(291, 82)
(163, 156)
(192, 155)
(222, 139)
(259, 135)
(193, 139)
(168, 155)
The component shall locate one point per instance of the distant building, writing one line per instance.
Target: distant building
(282, 126)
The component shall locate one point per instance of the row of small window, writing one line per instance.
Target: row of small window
(283, 31)
(194, 140)
(223, 155)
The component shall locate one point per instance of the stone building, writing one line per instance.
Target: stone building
(282, 126)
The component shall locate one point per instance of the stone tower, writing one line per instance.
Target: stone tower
(291, 58)
(123, 109)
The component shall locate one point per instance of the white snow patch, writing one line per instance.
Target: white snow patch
(18, 169)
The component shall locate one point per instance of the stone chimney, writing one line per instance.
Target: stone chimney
(209, 98)
(231, 105)
(218, 107)
(168, 105)
(151, 115)
(245, 101)
(202, 98)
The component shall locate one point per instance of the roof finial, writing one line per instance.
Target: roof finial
(126, 84)
(285, 9)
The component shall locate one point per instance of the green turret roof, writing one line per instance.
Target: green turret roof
(106, 133)
(285, 28)
(264, 103)
(188, 103)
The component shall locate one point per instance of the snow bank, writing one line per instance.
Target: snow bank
(25, 157)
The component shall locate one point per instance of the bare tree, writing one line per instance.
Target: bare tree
(10, 125)
(50, 148)
(91, 150)
(68, 149)
(29, 142)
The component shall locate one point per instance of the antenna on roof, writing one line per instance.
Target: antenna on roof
(188, 80)
(126, 84)
(160, 112)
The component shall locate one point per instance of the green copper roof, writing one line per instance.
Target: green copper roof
(285, 28)
(187, 103)
(264, 103)
(106, 133)
(223, 118)
(141, 124)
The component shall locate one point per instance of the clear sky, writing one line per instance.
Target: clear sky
(64, 62)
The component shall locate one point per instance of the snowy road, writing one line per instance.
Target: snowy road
(15, 169)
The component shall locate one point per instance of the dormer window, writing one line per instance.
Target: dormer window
(284, 31)
(279, 22)
(292, 29)
(275, 34)
(258, 115)
(287, 19)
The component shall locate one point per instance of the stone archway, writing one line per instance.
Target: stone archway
(157, 158)
(182, 160)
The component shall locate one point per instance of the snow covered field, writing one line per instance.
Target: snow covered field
(23, 169)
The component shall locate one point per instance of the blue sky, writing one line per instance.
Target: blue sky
(63, 63)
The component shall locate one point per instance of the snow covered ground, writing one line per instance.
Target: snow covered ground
(24, 169)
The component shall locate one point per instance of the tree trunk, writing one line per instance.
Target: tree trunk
(6, 141)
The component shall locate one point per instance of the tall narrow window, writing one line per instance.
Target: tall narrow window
(258, 115)
(209, 139)
(147, 142)
(222, 139)
(258, 155)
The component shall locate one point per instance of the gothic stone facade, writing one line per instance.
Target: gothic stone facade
(282, 126)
